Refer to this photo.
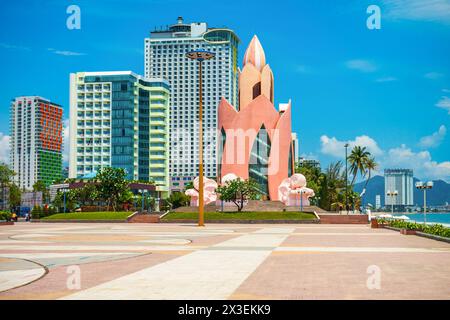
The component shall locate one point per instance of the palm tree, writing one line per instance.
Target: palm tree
(370, 165)
(358, 159)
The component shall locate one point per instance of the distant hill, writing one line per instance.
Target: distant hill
(439, 195)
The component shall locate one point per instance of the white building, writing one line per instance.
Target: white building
(377, 201)
(119, 119)
(400, 180)
(165, 57)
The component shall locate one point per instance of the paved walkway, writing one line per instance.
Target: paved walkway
(159, 261)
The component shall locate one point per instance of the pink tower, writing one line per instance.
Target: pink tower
(255, 140)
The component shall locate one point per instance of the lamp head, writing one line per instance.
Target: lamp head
(200, 55)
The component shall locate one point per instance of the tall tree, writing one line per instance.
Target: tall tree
(358, 159)
(15, 195)
(112, 185)
(370, 165)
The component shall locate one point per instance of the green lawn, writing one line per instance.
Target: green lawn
(241, 216)
(89, 216)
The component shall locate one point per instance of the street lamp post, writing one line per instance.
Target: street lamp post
(200, 56)
(64, 192)
(346, 179)
(392, 194)
(424, 186)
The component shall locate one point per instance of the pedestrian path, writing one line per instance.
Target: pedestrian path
(211, 274)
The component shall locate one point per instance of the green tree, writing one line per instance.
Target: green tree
(237, 191)
(71, 200)
(88, 194)
(6, 175)
(312, 174)
(15, 195)
(370, 165)
(358, 159)
(112, 185)
(39, 186)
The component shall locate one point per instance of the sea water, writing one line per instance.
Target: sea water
(437, 218)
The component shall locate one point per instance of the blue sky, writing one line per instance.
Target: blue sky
(387, 89)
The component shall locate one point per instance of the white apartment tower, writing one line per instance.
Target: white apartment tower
(165, 57)
(400, 180)
(36, 141)
(119, 119)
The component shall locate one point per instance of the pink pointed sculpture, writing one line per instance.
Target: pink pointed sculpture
(293, 191)
(209, 189)
(255, 140)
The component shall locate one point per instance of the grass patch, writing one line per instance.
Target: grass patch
(89, 216)
(241, 216)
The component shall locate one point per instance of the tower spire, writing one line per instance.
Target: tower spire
(255, 54)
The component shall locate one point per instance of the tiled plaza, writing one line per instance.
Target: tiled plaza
(176, 261)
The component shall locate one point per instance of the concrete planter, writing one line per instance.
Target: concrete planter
(407, 232)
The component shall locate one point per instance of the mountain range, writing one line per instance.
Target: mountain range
(438, 195)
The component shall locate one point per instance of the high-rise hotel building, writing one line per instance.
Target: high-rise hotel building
(402, 181)
(119, 119)
(165, 57)
(36, 140)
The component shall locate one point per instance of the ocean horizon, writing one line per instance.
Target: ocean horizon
(432, 218)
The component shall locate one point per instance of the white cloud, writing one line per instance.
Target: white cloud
(435, 139)
(361, 65)
(401, 157)
(66, 142)
(13, 47)
(4, 148)
(386, 79)
(433, 75)
(335, 148)
(66, 52)
(444, 103)
(421, 163)
(419, 10)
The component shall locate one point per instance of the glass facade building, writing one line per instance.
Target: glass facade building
(119, 119)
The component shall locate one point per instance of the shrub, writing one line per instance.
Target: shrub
(4, 215)
(37, 212)
(435, 229)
